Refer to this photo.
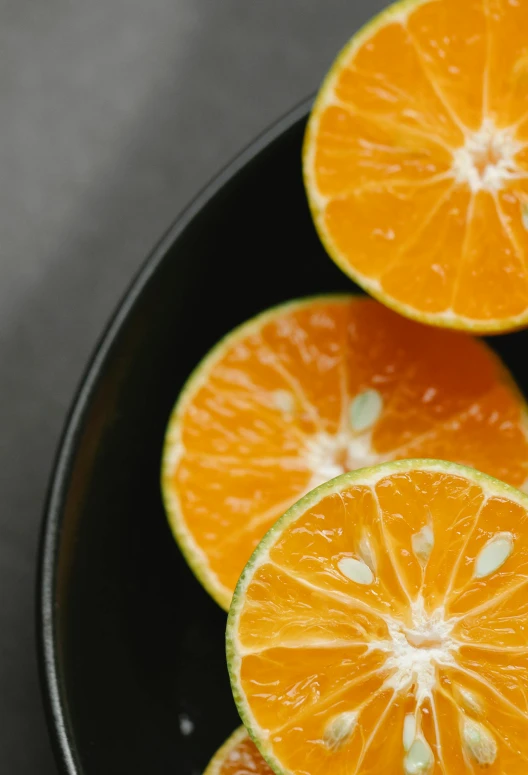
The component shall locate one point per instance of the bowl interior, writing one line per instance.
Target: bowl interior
(134, 648)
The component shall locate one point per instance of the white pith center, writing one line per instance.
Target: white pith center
(415, 652)
(329, 455)
(487, 158)
(413, 657)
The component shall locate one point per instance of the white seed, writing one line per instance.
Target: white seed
(367, 553)
(355, 570)
(409, 730)
(419, 759)
(524, 215)
(284, 400)
(469, 700)
(422, 544)
(339, 729)
(493, 555)
(478, 742)
(365, 409)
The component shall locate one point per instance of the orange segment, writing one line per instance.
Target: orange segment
(415, 161)
(453, 46)
(258, 636)
(493, 266)
(427, 674)
(428, 279)
(315, 679)
(507, 74)
(310, 390)
(370, 221)
(359, 147)
(401, 500)
(238, 756)
(386, 79)
(297, 553)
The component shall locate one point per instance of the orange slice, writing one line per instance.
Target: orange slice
(312, 389)
(381, 626)
(238, 756)
(416, 161)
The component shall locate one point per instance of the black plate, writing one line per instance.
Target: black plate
(130, 644)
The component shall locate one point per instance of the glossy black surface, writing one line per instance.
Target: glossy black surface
(129, 640)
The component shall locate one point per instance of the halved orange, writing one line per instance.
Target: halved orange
(381, 626)
(416, 161)
(309, 390)
(238, 756)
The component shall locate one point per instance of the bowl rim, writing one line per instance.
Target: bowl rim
(59, 725)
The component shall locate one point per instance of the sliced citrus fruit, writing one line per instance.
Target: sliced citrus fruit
(381, 627)
(238, 756)
(416, 161)
(312, 389)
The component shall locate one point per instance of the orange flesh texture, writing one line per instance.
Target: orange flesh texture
(240, 757)
(314, 645)
(244, 459)
(380, 161)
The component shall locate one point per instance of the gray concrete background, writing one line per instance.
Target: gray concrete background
(113, 113)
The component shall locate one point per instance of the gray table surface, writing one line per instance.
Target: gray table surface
(113, 113)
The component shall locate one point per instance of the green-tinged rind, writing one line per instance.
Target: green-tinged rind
(364, 476)
(438, 319)
(214, 766)
(193, 554)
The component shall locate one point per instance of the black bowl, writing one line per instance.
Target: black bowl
(130, 643)
(131, 647)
